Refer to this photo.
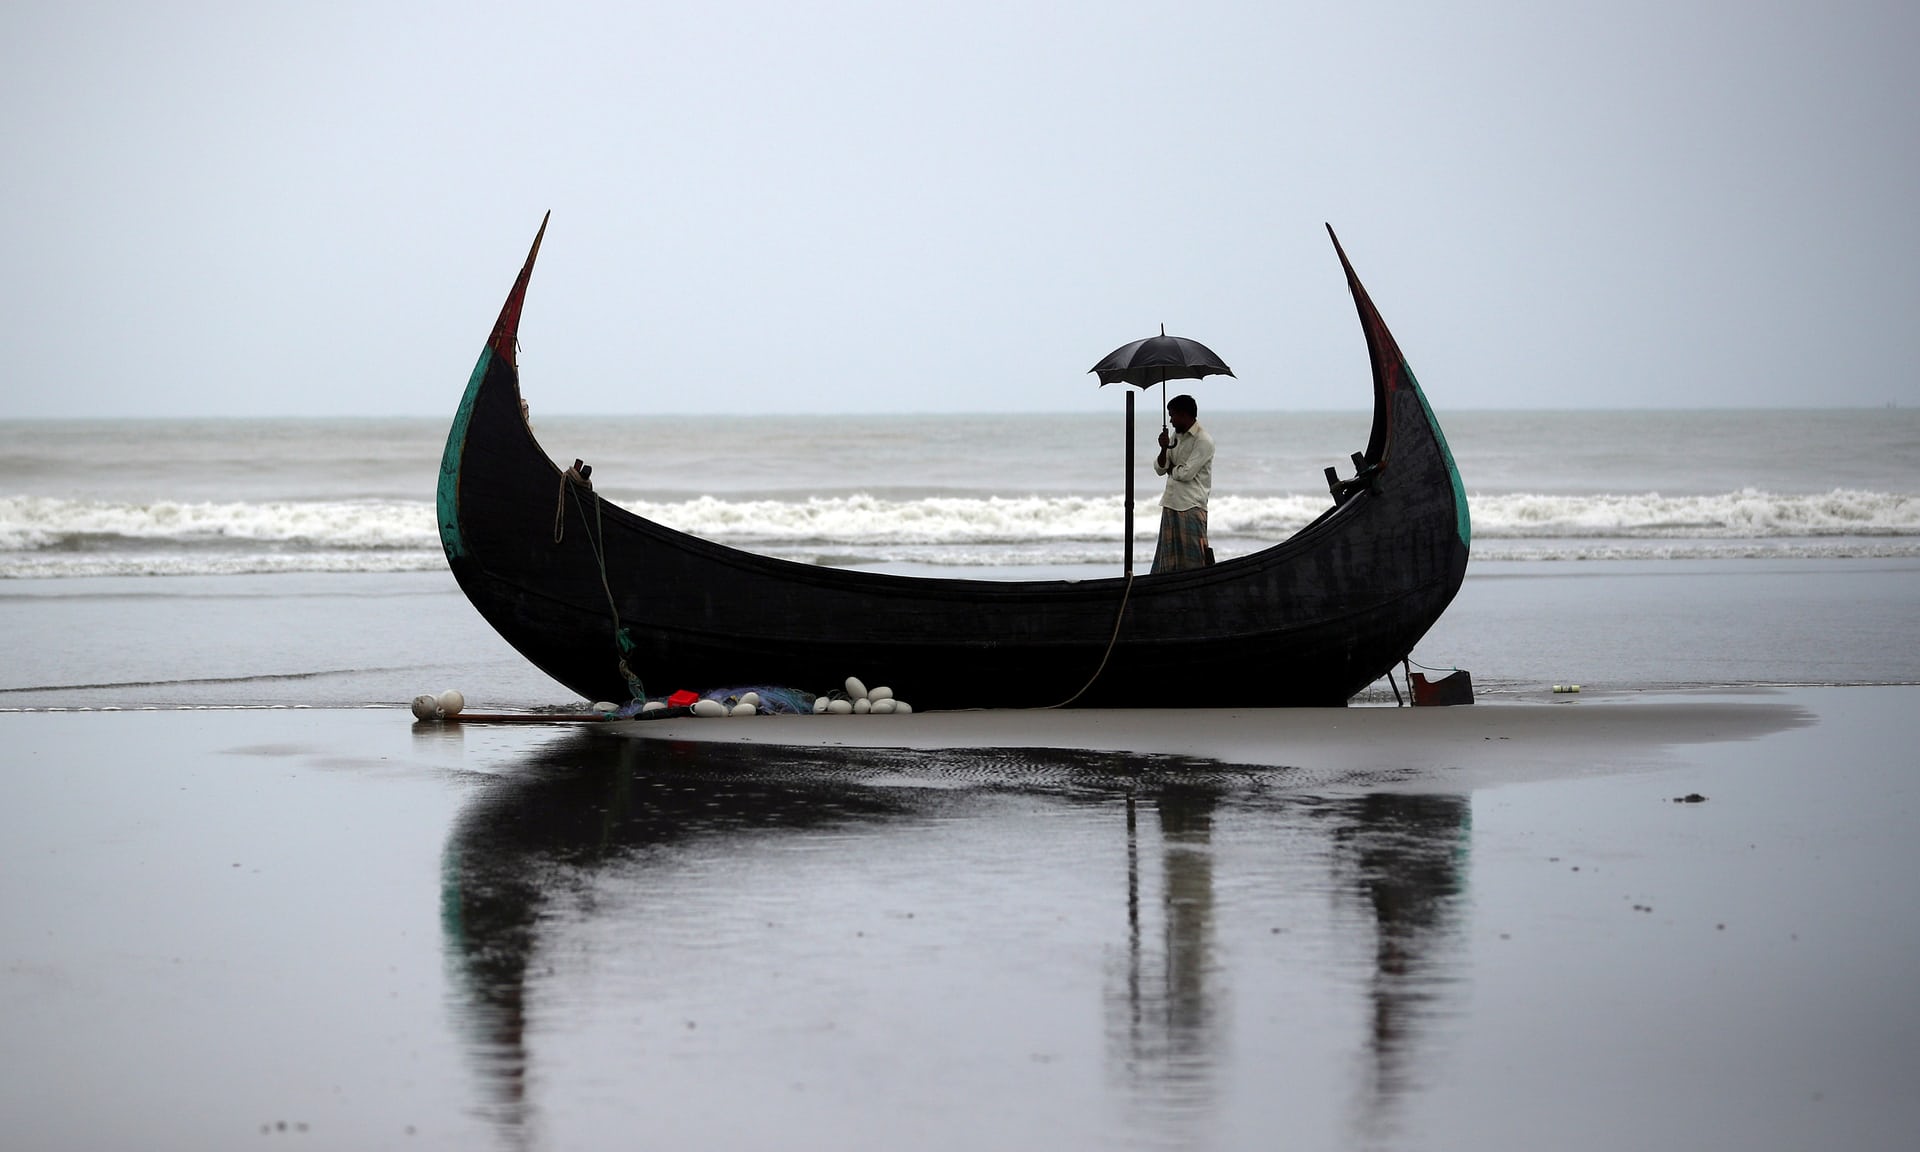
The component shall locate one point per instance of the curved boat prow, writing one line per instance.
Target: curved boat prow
(1392, 379)
(501, 350)
(506, 330)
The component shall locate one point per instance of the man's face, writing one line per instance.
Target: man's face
(1181, 421)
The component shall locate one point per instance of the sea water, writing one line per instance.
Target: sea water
(297, 562)
(965, 495)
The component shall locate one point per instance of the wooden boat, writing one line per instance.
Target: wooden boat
(602, 599)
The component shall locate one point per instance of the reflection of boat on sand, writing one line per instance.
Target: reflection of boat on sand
(589, 849)
(590, 592)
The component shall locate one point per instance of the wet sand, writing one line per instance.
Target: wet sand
(1419, 749)
(1490, 927)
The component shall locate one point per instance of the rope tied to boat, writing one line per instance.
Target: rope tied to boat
(1119, 617)
(575, 480)
(578, 476)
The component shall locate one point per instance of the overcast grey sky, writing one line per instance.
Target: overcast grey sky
(277, 208)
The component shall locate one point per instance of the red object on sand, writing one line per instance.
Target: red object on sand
(1454, 688)
(682, 698)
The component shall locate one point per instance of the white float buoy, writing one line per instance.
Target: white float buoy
(839, 707)
(862, 706)
(901, 707)
(604, 706)
(451, 702)
(883, 707)
(752, 698)
(878, 694)
(654, 706)
(709, 708)
(743, 709)
(426, 707)
(856, 688)
(819, 705)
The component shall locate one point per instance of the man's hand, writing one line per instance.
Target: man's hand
(1165, 441)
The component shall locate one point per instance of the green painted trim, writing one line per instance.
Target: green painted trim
(1462, 522)
(447, 498)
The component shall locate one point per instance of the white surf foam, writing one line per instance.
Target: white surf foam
(44, 536)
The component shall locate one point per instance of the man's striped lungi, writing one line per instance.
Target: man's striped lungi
(1183, 540)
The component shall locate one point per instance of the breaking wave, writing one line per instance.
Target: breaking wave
(50, 537)
(1746, 514)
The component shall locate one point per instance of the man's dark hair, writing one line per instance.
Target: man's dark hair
(1183, 403)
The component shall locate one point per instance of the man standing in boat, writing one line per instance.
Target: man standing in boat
(1186, 460)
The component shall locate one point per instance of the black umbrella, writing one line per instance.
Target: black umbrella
(1158, 359)
(1144, 363)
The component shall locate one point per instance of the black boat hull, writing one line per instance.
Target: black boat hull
(1309, 621)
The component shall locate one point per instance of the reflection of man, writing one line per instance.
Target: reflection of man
(1186, 460)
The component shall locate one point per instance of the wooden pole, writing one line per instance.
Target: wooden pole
(1129, 568)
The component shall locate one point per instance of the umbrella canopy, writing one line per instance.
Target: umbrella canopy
(1158, 359)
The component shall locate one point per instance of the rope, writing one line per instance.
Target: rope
(596, 537)
(573, 476)
(1118, 618)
